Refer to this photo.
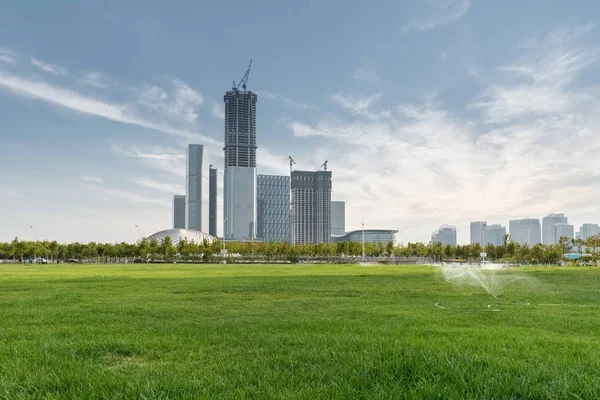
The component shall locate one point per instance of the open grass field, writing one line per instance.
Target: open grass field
(295, 331)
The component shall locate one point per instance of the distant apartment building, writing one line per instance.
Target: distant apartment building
(338, 218)
(178, 211)
(311, 207)
(478, 232)
(273, 208)
(212, 201)
(588, 230)
(446, 235)
(549, 231)
(494, 234)
(525, 231)
(564, 230)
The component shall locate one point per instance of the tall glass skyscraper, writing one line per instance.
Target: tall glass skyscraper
(178, 211)
(196, 188)
(273, 208)
(239, 194)
(212, 201)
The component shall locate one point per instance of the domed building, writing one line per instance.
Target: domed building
(176, 235)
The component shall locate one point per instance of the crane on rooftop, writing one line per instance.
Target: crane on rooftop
(292, 162)
(324, 165)
(244, 79)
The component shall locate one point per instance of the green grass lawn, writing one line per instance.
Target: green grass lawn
(296, 331)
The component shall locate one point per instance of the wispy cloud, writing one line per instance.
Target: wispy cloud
(440, 13)
(94, 79)
(92, 179)
(7, 56)
(51, 68)
(160, 186)
(218, 111)
(426, 162)
(105, 193)
(285, 100)
(165, 159)
(365, 74)
(168, 112)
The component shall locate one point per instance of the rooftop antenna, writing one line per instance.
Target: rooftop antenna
(244, 79)
(292, 162)
(324, 165)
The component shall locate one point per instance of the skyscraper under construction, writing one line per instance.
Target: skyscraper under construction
(239, 199)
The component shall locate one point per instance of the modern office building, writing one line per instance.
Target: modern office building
(178, 211)
(446, 235)
(311, 207)
(239, 187)
(564, 230)
(588, 230)
(549, 228)
(478, 232)
(338, 218)
(212, 201)
(273, 208)
(494, 234)
(196, 188)
(383, 236)
(525, 231)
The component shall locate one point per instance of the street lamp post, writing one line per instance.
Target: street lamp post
(224, 223)
(363, 239)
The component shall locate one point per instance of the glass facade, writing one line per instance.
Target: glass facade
(383, 236)
(273, 208)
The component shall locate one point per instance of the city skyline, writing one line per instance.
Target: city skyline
(449, 104)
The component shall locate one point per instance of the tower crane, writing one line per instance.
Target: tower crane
(244, 79)
(292, 162)
(324, 165)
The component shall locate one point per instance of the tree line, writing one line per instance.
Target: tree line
(207, 252)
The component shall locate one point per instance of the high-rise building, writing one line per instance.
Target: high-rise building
(549, 228)
(564, 230)
(239, 194)
(338, 218)
(525, 231)
(196, 188)
(588, 230)
(446, 235)
(494, 234)
(212, 201)
(311, 207)
(478, 232)
(273, 208)
(179, 211)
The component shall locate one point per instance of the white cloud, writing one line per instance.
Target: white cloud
(425, 164)
(285, 100)
(440, 13)
(106, 193)
(94, 79)
(92, 179)
(160, 186)
(168, 113)
(51, 68)
(7, 56)
(365, 75)
(218, 111)
(165, 159)
(180, 103)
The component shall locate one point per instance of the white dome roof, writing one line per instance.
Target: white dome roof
(191, 235)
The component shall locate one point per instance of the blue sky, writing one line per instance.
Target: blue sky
(429, 111)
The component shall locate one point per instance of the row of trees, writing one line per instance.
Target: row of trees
(104, 252)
